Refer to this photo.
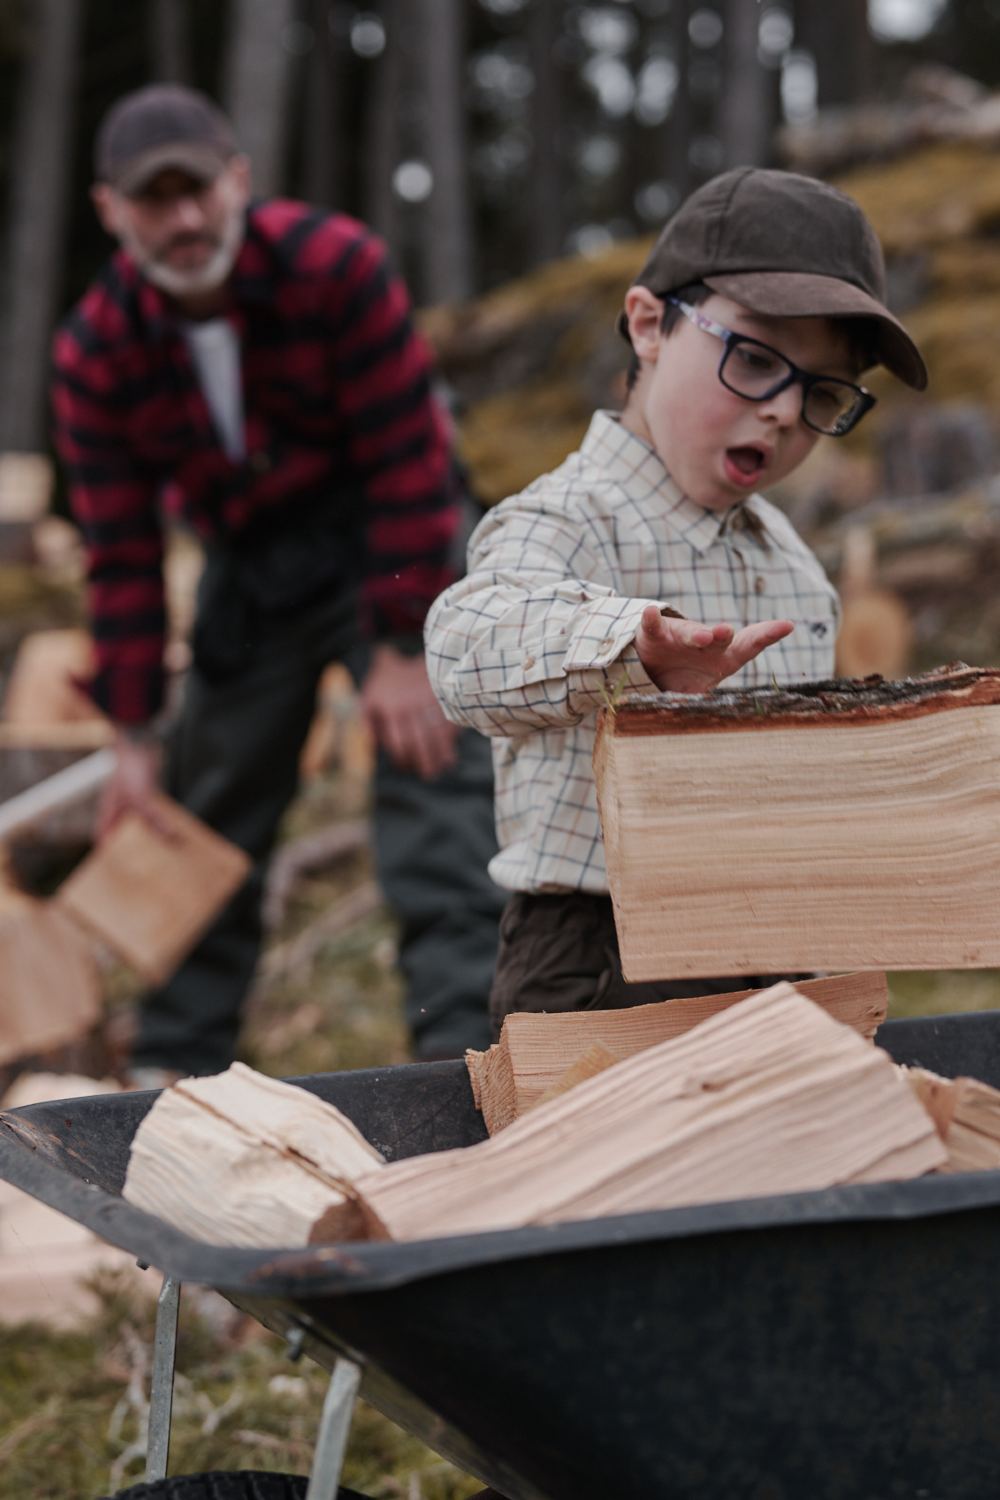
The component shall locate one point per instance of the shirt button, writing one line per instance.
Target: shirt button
(604, 645)
(760, 585)
(529, 661)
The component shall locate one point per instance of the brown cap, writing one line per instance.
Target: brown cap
(158, 127)
(785, 246)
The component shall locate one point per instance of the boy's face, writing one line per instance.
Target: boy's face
(717, 446)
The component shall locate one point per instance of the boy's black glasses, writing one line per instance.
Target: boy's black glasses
(757, 372)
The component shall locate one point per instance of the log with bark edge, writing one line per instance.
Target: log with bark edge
(535, 1048)
(841, 825)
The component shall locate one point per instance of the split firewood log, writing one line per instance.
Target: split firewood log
(966, 1113)
(536, 1047)
(769, 1096)
(241, 1159)
(149, 892)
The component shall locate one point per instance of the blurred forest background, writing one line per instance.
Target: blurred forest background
(480, 137)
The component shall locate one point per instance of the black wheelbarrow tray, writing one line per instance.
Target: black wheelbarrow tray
(843, 1343)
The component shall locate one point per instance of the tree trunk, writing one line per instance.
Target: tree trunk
(841, 45)
(37, 213)
(169, 41)
(257, 73)
(446, 231)
(681, 117)
(744, 115)
(381, 132)
(324, 116)
(547, 228)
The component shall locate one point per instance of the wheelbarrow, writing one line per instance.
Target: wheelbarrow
(839, 1344)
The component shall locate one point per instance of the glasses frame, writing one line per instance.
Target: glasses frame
(805, 378)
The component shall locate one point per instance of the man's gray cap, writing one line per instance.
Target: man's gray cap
(164, 125)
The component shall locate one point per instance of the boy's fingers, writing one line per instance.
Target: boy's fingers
(754, 639)
(684, 633)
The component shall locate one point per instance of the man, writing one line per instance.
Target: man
(251, 369)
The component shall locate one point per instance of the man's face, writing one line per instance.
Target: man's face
(718, 447)
(184, 234)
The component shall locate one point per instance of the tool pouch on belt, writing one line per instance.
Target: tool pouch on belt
(281, 564)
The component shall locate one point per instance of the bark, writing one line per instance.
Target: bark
(445, 221)
(547, 228)
(679, 123)
(169, 41)
(37, 217)
(841, 45)
(380, 131)
(744, 123)
(257, 73)
(323, 162)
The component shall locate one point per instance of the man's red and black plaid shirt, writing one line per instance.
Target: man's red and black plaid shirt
(338, 409)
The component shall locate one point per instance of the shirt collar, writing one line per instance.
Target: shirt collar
(638, 469)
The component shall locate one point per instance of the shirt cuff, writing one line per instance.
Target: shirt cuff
(605, 631)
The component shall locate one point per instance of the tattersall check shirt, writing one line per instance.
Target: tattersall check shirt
(528, 646)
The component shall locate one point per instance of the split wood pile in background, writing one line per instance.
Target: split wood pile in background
(770, 1095)
(50, 990)
(150, 890)
(836, 826)
(537, 1047)
(146, 892)
(48, 1261)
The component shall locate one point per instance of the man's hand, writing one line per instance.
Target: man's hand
(131, 785)
(403, 714)
(682, 656)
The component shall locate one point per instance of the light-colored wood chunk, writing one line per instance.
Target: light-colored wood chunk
(966, 1114)
(862, 839)
(876, 631)
(535, 1047)
(46, 683)
(588, 1065)
(242, 1159)
(25, 486)
(50, 991)
(769, 1096)
(150, 892)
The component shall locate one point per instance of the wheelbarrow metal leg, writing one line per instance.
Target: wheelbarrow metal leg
(161, 1395)
(334, 1427)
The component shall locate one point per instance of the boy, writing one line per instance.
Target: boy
(760, 305)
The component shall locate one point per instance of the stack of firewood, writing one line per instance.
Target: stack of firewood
(848, 825)
(603, 1114)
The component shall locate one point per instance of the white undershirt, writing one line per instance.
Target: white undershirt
(215, 353)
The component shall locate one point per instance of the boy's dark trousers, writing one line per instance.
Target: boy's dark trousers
(560, 952)
(233, 761)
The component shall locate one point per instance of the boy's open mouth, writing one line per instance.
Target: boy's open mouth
(745, 463)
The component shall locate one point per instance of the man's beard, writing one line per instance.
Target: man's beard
(189, 283)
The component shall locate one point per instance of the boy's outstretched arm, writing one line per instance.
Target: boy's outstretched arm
(683, 656)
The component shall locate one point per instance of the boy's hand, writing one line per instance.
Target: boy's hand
(682, 656)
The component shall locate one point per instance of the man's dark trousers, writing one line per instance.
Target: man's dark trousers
(233, 761)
